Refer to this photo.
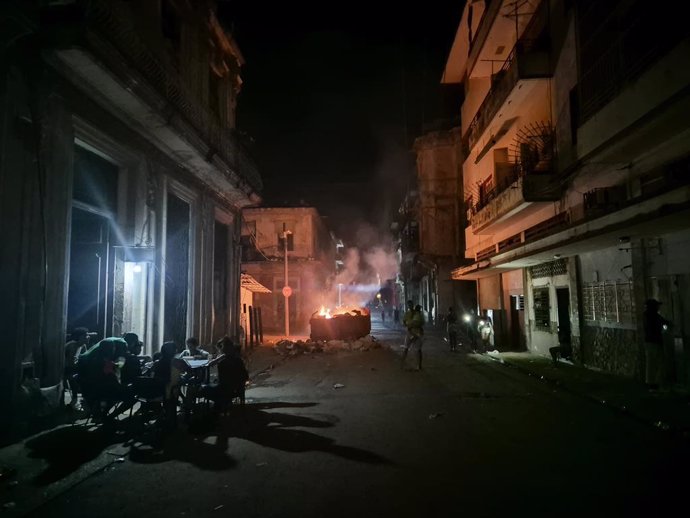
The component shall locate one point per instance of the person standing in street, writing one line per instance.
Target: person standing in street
(654, 327)
(413, 320)
(452, 329)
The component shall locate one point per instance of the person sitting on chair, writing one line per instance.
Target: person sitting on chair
(96, 372)
(232, 376)
(78, 344)
(193, 349)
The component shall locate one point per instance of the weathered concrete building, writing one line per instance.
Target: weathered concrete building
(431, 230)
(311, 263)
(576, 174)
(122, 178)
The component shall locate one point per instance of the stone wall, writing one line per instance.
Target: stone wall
(610, 349)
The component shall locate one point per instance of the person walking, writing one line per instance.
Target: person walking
(452, 329)
(413, 320)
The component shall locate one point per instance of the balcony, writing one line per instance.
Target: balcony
(106, 51)
(518, 184)
(526, 62)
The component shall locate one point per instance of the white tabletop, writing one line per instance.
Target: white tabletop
(195, 364)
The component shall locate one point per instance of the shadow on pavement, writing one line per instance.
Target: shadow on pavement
(278, 430)
(67, 448)
(180, 446)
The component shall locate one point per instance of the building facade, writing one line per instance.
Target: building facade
(430, 230)
(122, 178)
(576, 175)
(268, 234)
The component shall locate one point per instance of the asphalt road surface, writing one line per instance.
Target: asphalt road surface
(464, 437)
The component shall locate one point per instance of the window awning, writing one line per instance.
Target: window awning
(251, 284)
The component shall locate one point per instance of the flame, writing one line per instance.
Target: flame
(325, 312)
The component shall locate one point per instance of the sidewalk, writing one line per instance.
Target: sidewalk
(668, 411)
(61, 456)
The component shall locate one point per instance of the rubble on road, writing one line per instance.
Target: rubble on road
(290, 348)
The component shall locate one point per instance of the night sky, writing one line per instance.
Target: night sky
(333, 98)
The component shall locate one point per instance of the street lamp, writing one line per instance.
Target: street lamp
(287, 291)
(340, 292)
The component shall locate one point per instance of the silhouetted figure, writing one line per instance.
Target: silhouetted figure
(193, 349)
(654, 326)
(232, 376)
(452, 329)
(96, 369)
(78, 344)
(413, 320)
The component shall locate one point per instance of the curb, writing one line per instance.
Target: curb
(658, 425)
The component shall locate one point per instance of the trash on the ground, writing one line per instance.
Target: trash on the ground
(434, 416)
(9, 505)
(218, 507)
(120, 459)
(338, 386)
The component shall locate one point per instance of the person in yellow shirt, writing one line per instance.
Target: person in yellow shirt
(413, 320)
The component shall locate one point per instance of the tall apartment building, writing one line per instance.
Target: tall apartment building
(575, 123)
(430, 240)
(268, 234)
(122, 178)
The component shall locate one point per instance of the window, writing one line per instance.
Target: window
(290, 243)
(608, 302)
(542, 314)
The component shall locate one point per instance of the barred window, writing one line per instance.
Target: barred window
(608, 302)
(542, 316)
(558, 267)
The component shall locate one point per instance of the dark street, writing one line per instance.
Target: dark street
(466, 435)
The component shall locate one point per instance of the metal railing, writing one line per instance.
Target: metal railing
(502, 83)
(112, 21)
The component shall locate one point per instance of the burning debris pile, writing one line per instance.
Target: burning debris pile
(290, 348)
(343, 324)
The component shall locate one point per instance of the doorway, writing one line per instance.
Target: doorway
(220, 281)
(176, 270)
(517, 322)
(563, 306)
(90, 294)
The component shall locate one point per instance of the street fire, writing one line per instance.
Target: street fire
(345, 323)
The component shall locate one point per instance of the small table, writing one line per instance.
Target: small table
(199, 364)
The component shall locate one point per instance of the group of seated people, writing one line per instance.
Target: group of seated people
(112, 374)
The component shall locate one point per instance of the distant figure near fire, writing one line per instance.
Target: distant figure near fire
(413, 320)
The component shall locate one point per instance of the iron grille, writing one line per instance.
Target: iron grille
(558, 267)
(608, 302)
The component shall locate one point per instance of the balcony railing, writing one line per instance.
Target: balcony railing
(531, 174)
(525, 61)
(111, 20)
(538, 231)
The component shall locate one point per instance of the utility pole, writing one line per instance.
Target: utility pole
(287, 291)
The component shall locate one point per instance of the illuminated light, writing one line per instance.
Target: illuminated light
(136, 268)
(467, 318)
(481, 322)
